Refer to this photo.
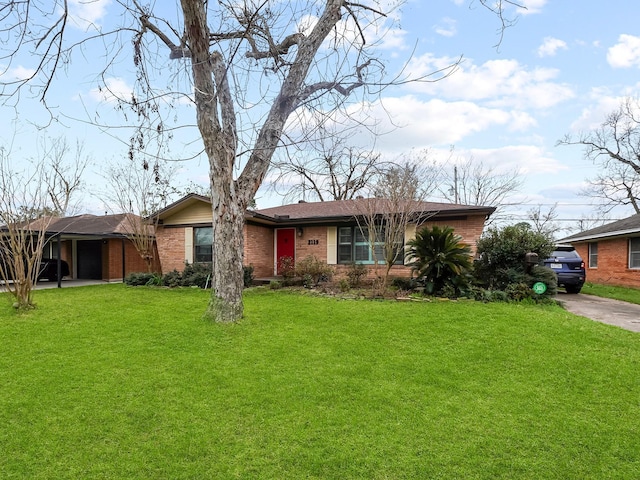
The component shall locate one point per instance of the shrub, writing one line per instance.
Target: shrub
(502, 253)
(196, 275)
(275, 285)
(286, 268)
(439, 259)
(313, 271)
(546, 276)
(355, 273)
(247, 271)
(172, 279)
(344, 285)
(404, 283)
(137, 279)
(519, 291)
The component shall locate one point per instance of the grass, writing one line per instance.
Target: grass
(626, 294)
(117, 382)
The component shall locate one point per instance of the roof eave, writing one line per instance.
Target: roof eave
(598, 236)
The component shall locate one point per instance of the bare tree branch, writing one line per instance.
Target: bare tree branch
(615, 148)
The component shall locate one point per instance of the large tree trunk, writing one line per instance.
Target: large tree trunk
(216, 119)
(225, 304)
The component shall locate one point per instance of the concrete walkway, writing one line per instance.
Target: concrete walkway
(41, 285)
(613, 312)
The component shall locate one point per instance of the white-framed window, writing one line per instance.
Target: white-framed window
(354, 246)
(634, 252)
(202, 244)
(593, 255)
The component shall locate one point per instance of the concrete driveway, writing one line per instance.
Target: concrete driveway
(614, 312)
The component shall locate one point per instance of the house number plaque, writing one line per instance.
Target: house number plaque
(313, 242)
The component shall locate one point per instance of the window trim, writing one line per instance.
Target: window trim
(353, 244)
(196, 245)
(591, 255)
(631, 252)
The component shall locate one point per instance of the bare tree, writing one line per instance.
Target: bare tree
(474, 183)
(383, 220)
(25, 215)
(139, 193)
(615, 148)
(332, 170)
(65, 175)
(544, 221)
(235, 56)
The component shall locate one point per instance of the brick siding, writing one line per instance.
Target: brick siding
(112, 259)
(613, 263)
(259, 245)
(170, 243)
(258, 249)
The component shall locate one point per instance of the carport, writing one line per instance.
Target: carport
(95, 247)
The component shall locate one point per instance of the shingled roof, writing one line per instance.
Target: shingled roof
(625, 227)
(349, 208)
(329, 211)
(118, 225)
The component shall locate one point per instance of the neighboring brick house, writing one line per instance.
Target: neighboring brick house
(611, 252)
(96, 247)
(327, 230)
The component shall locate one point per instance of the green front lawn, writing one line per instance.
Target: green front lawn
(626, 294)
(118, 382)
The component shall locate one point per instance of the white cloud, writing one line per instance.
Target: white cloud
(412, 123)
(532, 6)
(87, 13)
(447, 27)
(115, 89)
(16, 74)
(500, 83)
(625, 53)
(529, 159)
(550, 47)
(592, 117)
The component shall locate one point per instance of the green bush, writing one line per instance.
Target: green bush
(275, 285)
(196, 275)
(501, 255)
(546, 276)
(137, 279)
(247, 271)
(172, 279)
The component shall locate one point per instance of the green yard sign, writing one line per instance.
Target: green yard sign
(539, 288)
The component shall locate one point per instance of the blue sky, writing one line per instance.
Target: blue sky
(559, 70)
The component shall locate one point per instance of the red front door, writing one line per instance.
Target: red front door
(285, 246)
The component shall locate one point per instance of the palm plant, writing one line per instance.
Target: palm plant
(439, 258)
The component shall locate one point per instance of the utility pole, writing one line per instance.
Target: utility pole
(454, 189)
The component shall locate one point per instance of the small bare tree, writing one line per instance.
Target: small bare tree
(383, 219)
(474, 183)
(25, 215)
(544, 221)
(30, 198)
(139, 193)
